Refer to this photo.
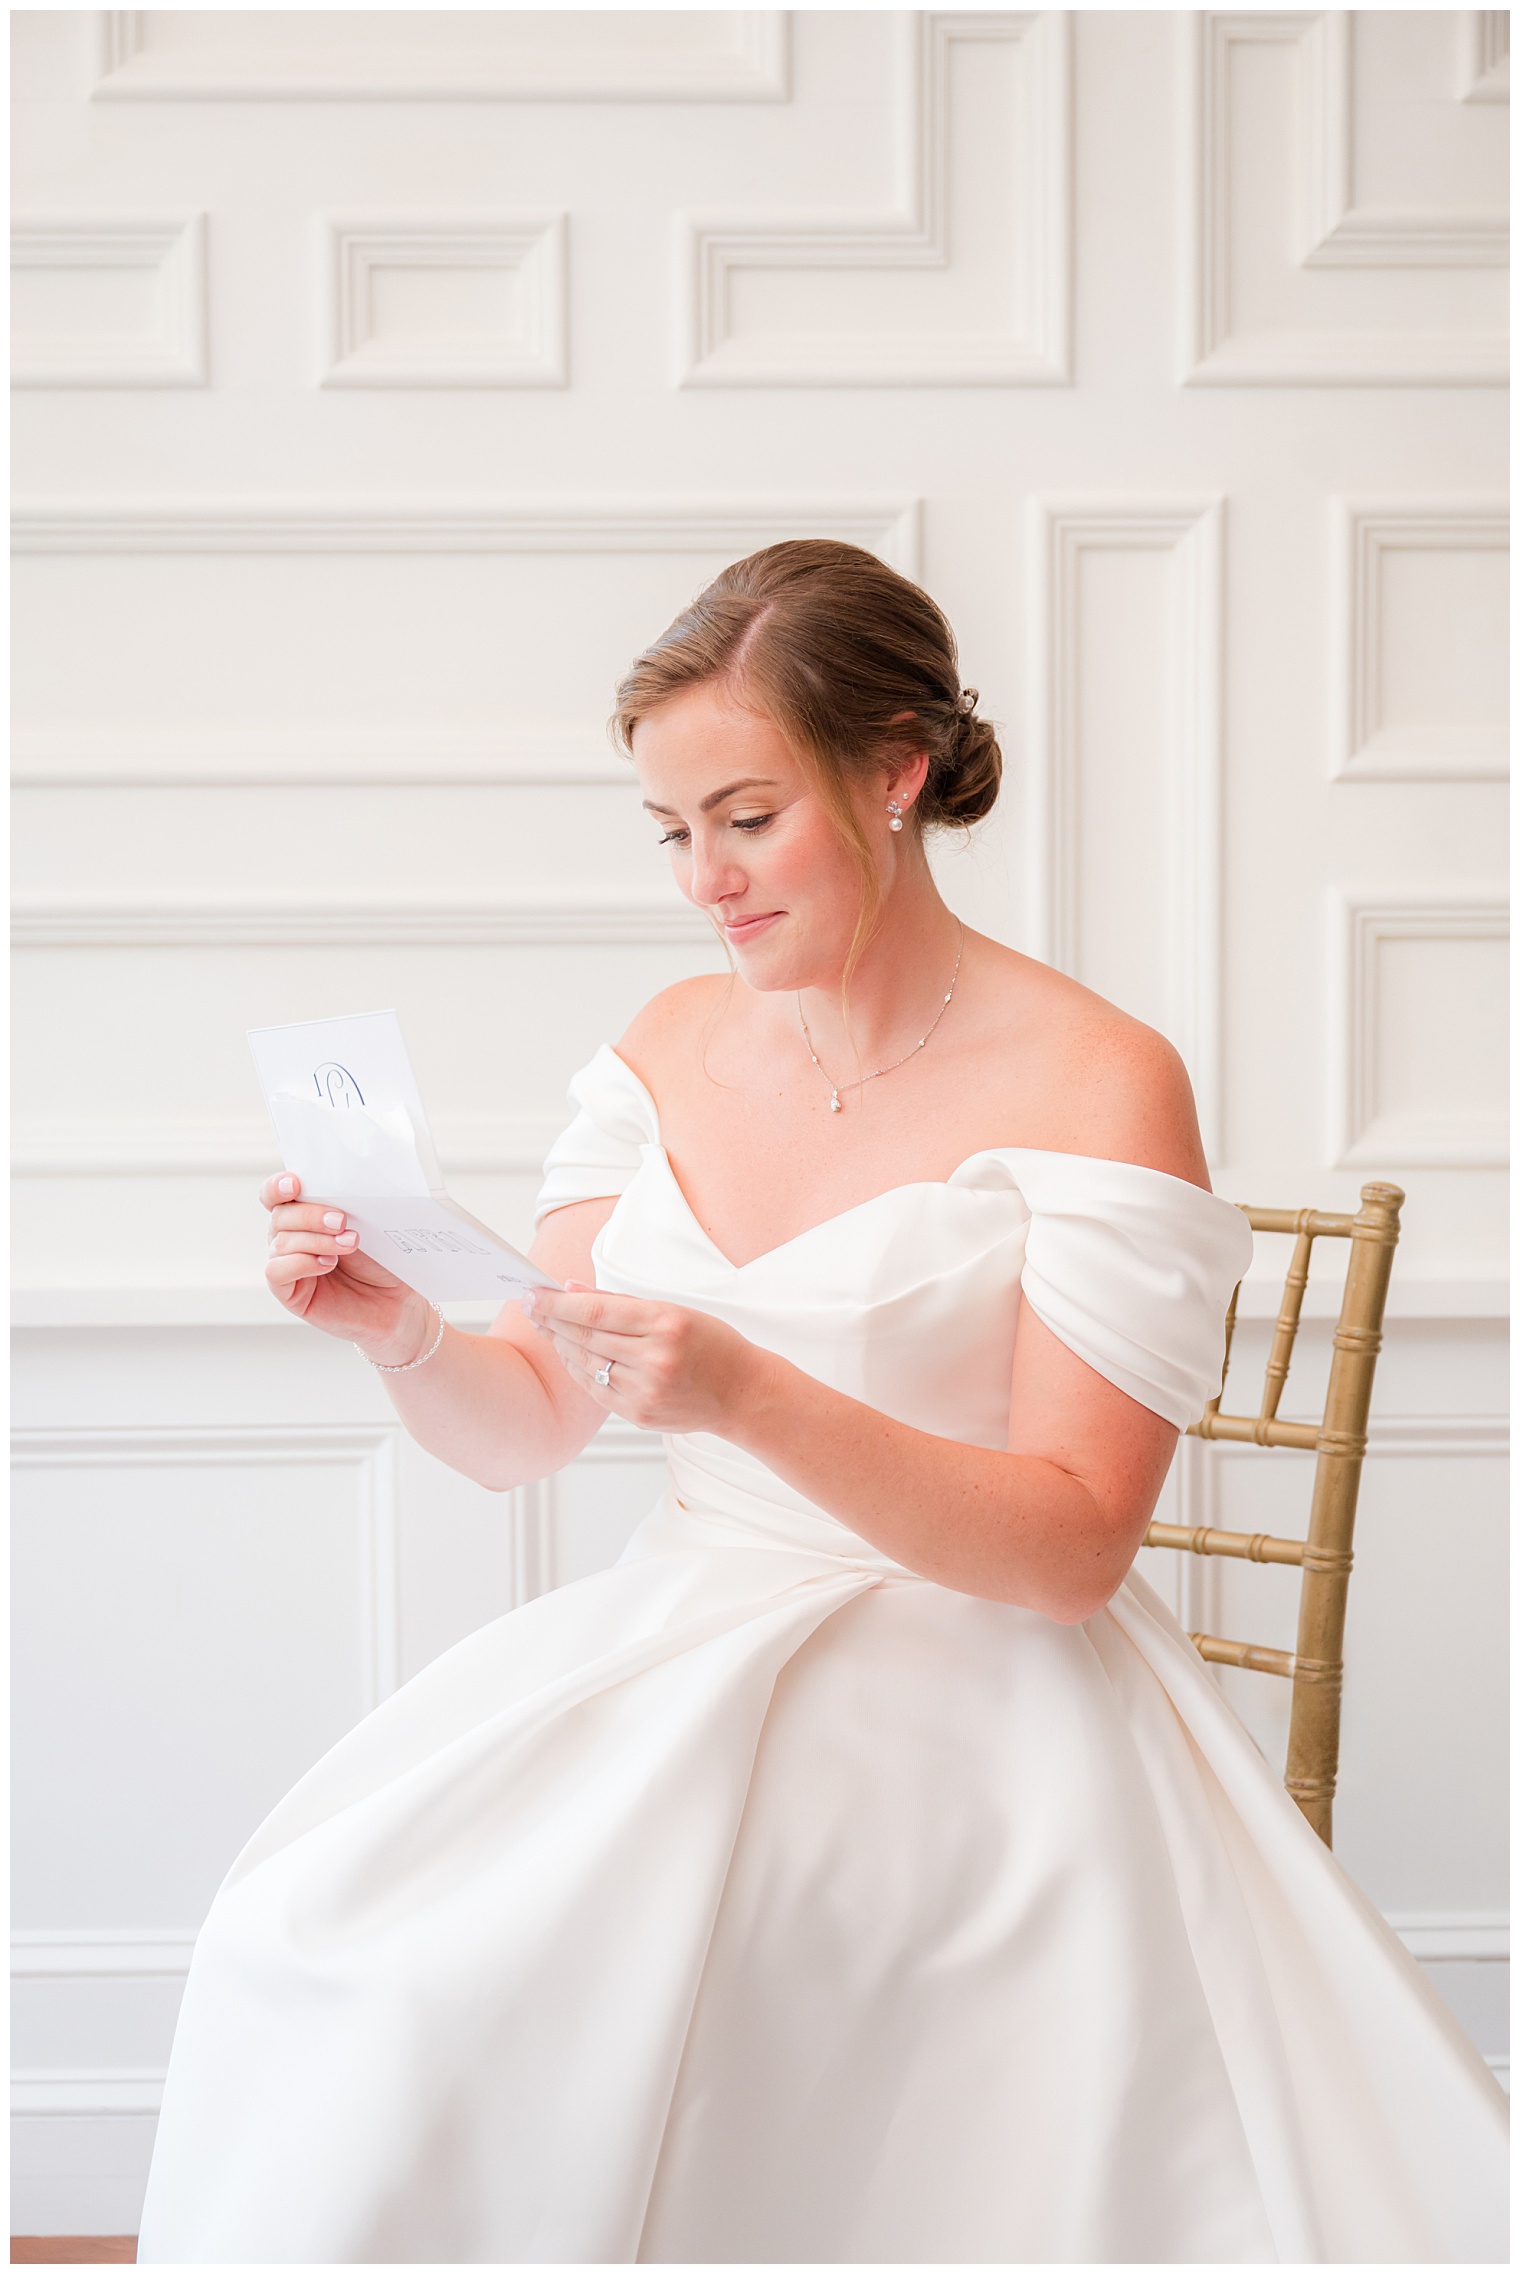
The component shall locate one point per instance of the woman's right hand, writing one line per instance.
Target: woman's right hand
(316, 1270)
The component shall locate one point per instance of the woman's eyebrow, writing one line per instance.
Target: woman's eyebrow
(750, 782)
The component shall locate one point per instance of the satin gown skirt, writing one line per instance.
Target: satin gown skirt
(757, 1901)
(746, 1904)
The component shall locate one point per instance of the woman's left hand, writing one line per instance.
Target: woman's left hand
(669, 1369)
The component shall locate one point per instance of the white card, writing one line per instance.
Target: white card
(349, 1117)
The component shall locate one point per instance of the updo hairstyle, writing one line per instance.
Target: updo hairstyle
(853, 663)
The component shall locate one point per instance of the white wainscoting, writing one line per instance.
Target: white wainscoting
(1165, 348)
(940, 212)
(462, 300)
(1126, 758)
(1292, 76)
(1419, 679)
(191, 56)
(97, 1986)
(278, 1575)
(75, 321)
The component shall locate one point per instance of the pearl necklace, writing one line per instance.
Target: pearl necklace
(836, 1103)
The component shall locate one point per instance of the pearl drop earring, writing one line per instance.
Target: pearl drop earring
(896, 812)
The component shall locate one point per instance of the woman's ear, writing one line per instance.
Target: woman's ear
(905, 777)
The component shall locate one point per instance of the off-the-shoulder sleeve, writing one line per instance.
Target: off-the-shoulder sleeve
(599, 1154)
(1133, 1270)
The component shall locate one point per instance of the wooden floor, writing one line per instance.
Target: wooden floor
(73, 2250)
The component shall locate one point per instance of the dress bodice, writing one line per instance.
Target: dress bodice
(910, 1300)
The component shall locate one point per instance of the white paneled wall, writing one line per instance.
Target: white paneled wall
(389, 379)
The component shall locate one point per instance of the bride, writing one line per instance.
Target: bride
(865, 1868)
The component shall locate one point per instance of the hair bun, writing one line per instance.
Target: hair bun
(964, 787)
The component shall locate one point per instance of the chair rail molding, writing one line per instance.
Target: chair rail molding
(1363, 532)
(752, 67)
(368, 1449)
(554, 755)
(1335, 233)
(711, 249)
(1191, 531)
(75, 1954)
(168, 249)
(507, 1144)
(84, 922)
(87, 2092)
(1358, 1136)
(888, 527)
(356, 250)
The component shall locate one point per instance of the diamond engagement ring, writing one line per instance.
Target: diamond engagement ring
(603, 1375)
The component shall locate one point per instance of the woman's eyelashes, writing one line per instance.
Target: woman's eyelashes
(749, 823)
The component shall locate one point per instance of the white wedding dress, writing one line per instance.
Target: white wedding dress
(758, 1901)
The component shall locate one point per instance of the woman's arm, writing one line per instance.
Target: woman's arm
(1052, 1523)
(494, 1406)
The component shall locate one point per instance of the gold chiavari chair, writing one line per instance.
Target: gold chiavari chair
(1339, 1441)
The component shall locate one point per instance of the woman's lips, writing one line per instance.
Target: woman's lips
(746, 927)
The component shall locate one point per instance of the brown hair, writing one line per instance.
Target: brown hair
(852, 662)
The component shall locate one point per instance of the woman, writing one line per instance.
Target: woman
(865, 1868)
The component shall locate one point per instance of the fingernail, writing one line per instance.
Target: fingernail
(529, 1299)
(287, 1186)
(348, 1239)
(333, 1221)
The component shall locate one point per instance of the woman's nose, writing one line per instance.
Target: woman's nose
(715, 875)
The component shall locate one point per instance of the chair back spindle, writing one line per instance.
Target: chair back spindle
(1339, 1443)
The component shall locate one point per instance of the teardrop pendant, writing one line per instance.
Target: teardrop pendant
(834, 1104)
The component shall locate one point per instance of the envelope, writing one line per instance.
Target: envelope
(350, 1121)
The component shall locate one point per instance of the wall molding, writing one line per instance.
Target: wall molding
(169, 248)
(534, 1509)
(1436, 1937)
(85, 921)
(87, 2092)
(1336, 235)
(1442, 1436)
(1413, 1298)
(1483, 55)
(1362, 531)
(238, 1307)
(754, 68)
(1355, 1138)
(354, 249)
(1191, 531)
(505, 1144)
(368, 1449)
(74, 1954)
(712, 249)
(670, 524)
(551, 756)
(157, 1954)
(1198, 1590)
(1341, 234)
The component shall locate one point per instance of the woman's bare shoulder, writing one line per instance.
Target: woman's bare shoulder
(660, 1036)
(1089, 1077)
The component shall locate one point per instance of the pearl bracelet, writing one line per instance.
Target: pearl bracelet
(420, 1360)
